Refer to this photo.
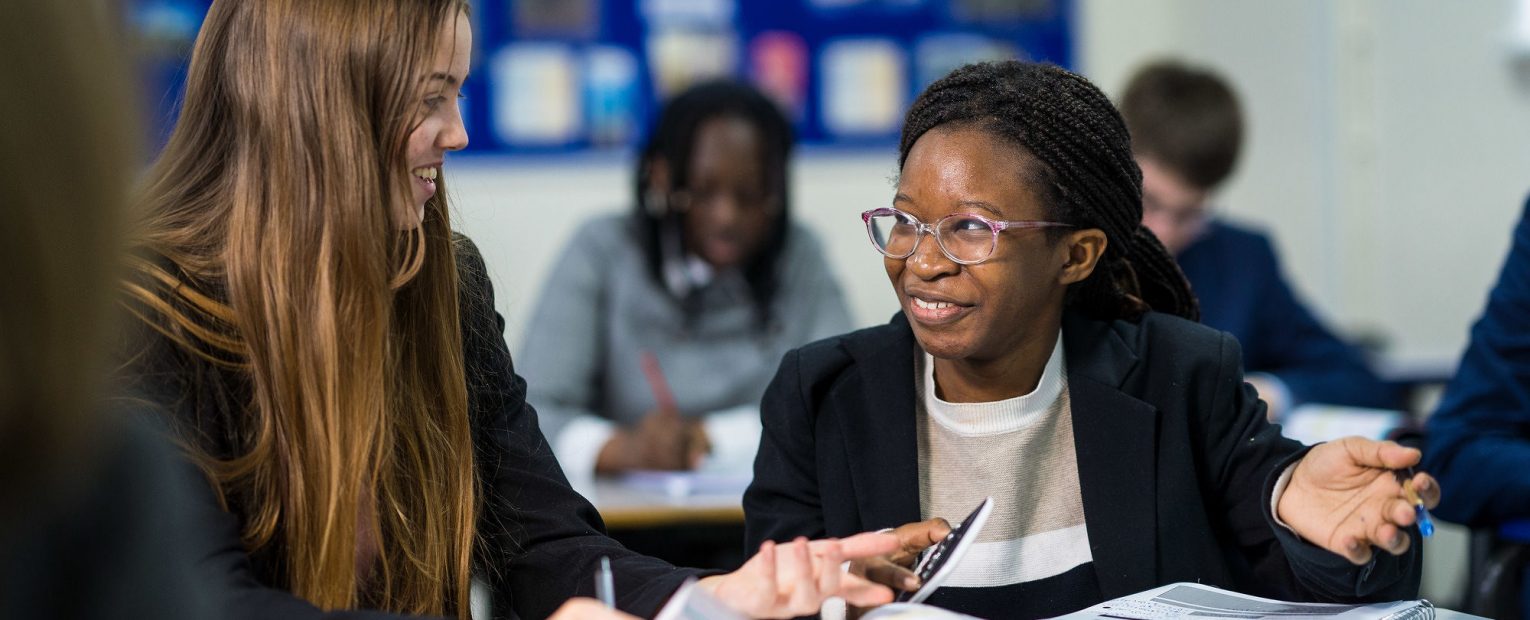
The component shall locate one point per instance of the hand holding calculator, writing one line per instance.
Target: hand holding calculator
(939, 561)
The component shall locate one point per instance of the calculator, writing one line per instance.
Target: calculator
(938, 562)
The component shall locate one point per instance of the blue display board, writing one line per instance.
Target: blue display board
(581, 75)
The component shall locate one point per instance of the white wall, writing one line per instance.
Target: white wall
(1388, 146)
(1387, 153)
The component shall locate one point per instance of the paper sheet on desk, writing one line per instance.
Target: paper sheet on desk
(1195, 601)
(677, 484)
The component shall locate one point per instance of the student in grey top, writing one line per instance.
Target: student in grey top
(657, 331)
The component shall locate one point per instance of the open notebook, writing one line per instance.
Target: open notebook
(1190, 601)
(1196, 601)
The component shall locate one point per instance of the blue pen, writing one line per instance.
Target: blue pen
(1425, 524)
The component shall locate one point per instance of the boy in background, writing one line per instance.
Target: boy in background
(1187, 127)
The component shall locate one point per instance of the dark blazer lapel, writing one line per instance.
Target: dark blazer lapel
(1115, 436)
(883, 451)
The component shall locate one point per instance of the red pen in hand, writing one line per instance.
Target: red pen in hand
(656, 382)
(697, 443)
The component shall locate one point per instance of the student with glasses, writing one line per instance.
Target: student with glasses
(1047, 355)
(657, 330)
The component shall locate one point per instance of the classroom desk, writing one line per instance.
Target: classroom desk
(624, 507)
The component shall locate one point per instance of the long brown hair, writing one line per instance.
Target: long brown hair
(273, 201)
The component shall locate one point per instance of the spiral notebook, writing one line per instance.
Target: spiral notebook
(1199, 602)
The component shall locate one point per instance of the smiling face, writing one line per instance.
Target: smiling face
(988, 311)
(439, 125)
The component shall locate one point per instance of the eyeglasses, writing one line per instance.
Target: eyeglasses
(966, 238)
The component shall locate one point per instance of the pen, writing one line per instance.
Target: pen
(656, 382)
(696, 442)
(1425, 524)
(605, 588)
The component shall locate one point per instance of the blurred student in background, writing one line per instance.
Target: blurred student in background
(657, 331)
(1478, 441)
(90, 525)
(1187, 129)
(327, 349)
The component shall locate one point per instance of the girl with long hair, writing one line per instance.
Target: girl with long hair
(327, 349)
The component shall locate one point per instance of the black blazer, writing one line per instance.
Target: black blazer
(541, 540)
(1175, 459)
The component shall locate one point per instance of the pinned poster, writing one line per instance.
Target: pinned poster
(575, 75)
(681, 56)
(536, 95)
(689, 13)
(862, 84)
(778, 63)
(611, 95)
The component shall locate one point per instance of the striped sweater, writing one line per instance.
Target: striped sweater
(1032, 558)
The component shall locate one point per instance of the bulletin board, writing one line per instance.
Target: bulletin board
(586, 75)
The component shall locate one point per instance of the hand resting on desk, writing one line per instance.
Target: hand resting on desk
(663, 440)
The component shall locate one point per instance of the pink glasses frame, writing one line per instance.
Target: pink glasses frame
(996, 226)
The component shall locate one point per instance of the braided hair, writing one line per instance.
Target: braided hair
(673, 139)
(1084, 170)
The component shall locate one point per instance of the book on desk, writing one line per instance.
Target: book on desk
(1194, 601)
